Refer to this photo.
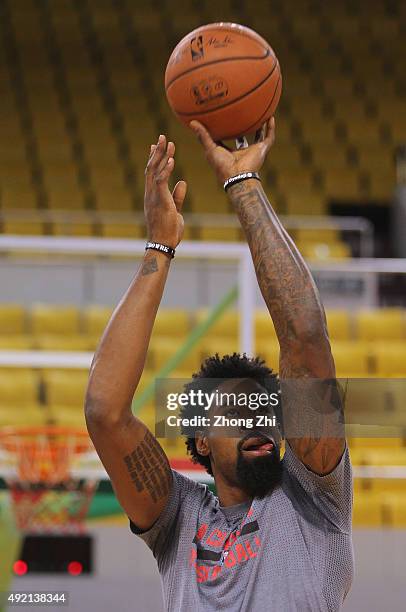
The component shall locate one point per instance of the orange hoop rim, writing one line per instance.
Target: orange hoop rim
(10, 435)
(44, 453)
(37, 429)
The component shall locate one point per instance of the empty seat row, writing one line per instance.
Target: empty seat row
(372, 407)
(46, 319)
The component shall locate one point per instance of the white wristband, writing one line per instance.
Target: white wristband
(244, 176)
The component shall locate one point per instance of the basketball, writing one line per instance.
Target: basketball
(227, 77)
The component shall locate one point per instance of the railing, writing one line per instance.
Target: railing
(363, 228)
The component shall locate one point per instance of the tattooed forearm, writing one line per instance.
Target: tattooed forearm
(284, 278)
(149, 266)
(149, 468)
(312, 419)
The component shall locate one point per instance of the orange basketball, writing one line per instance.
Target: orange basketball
(226, 76)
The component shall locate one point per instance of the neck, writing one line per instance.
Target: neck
(228, 494)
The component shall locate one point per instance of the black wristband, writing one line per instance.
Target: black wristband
(244, 176)
(163, 248)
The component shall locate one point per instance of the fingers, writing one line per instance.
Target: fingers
(203, 135)
(162, 176)
(261, 133)
(179, 194)
(161, 161)
(156, 155)
(170, 152)
(270, 133)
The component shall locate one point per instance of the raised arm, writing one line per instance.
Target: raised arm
(293, 302)
(133, 458)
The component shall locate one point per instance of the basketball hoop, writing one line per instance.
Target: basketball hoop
(48, 492)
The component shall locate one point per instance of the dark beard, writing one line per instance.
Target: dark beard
(259, 476)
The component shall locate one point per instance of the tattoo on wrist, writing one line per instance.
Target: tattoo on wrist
(149, 468)
(149, 266)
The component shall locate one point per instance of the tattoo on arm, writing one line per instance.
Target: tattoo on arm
(284, 279)
(312, 418)
(149, 267)
(149, 468)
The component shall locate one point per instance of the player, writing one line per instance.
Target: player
(278, 534)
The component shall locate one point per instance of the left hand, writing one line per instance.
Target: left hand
(227, 163)
(163, 208)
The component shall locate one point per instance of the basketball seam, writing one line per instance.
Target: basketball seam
(219, 61)
(267, 108)
(247, 93)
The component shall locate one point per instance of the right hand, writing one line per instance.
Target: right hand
(162, 208)
(227, 163)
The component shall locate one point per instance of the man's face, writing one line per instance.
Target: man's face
(244, 454)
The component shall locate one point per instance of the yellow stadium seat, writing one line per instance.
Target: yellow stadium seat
(12, 319)
(14, 197)
(322, 251)
(382, 184)
(121, 230)
(17, 170)
(59, 342)
(221, 234)
(60, 172)
(376, 442)
(264, 328)
(22, 227)
(269, 351)
(146, 379)
(95, 319)
(147, 382)
(304, 201)
(397, 505)
(375, 158)
(171, 322)
(365, 130)
(67, 417)
(386, 485)
(390, 359)
(351, 359)
(54, 320)
(338, 324)
(226, 325)
(22, 342)
(286, 156)
(65, 389)
(111, 199)
(19, 388)
(73, 228)
(342, 184)
(221, 345)
(296, 180)
(386, 324)
(324, 155)
(65, 197)
(161, 350)
(367, 510)
(383, 456)
(324, 234)
(147, 415)
(29, 416)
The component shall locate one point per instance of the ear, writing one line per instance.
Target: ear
(202, 444)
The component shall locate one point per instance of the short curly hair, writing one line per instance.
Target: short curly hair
(229, 366)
